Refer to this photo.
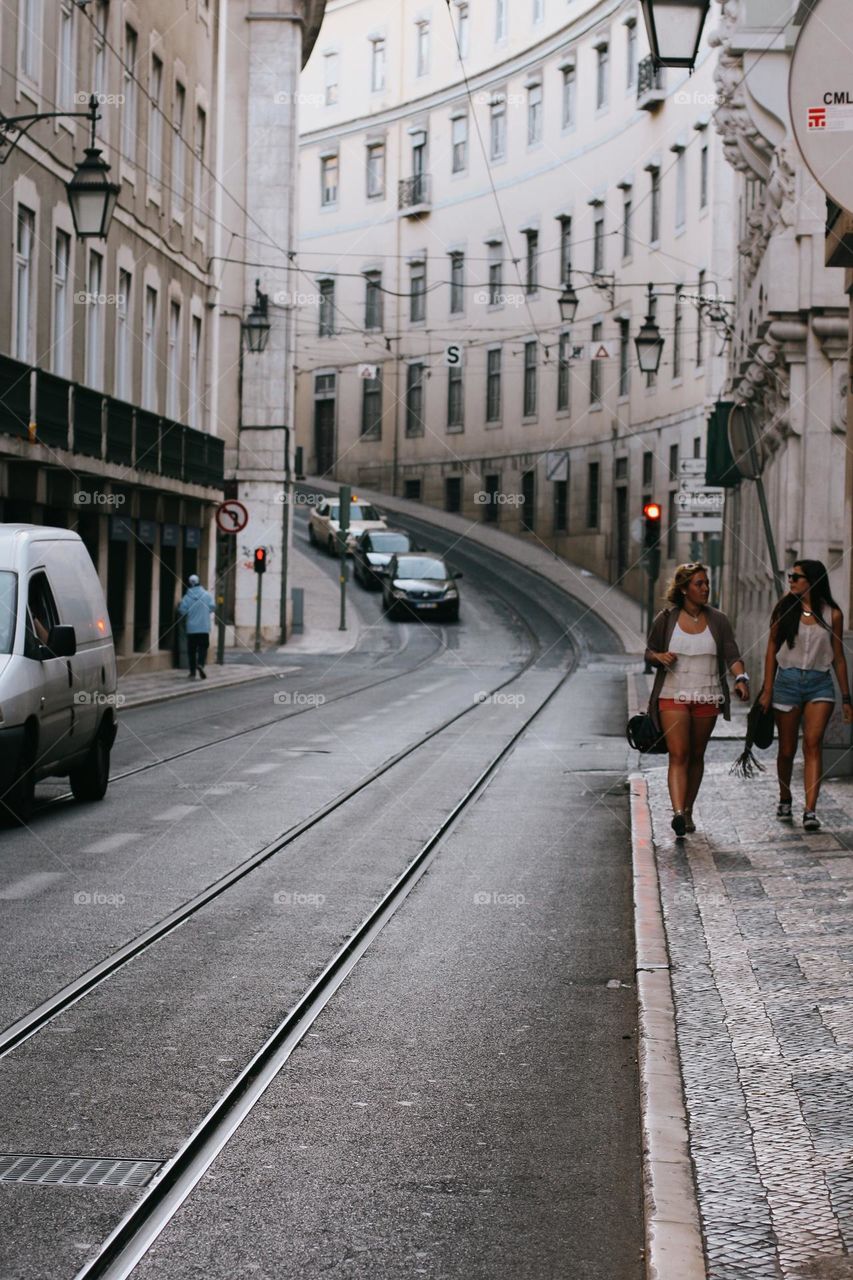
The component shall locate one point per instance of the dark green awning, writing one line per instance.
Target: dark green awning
(720, 466)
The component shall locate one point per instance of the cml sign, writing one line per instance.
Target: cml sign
(820, 95)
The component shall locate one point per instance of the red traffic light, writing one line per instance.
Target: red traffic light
(652, 511)
(260, 559)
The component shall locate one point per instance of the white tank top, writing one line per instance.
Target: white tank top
(695, 677)
(812, 649)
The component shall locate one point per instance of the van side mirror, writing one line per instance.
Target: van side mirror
(61, 643)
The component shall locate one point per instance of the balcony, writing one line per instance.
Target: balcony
(414, 195)
(651, 84)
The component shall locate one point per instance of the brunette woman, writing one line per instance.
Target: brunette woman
(805, 642)
(693, 647)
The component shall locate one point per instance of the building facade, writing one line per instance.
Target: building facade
(458, 166)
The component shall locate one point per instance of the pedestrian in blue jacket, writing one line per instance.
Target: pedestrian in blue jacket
(197, 607)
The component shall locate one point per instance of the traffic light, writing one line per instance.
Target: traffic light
(651, 525)
(260, 559)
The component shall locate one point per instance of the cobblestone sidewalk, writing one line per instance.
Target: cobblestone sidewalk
(759, 923)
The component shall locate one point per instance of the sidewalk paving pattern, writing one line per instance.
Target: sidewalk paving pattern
(759, 924)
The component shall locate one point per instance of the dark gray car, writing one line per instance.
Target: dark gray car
(420, 584)
(373, 553)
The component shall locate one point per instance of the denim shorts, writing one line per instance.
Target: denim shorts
(795, 686)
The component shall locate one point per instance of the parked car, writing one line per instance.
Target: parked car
(420, 584)
(324, 523)
(57, 668)
(373, 553)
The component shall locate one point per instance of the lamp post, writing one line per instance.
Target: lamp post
(256, 326)
(568, 302)
(674, 29)
(648, 341)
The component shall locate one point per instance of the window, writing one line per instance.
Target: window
(697, 446)
(538, 10)
(528, 501)
(531, 270)
(493, 385)
(455, 399)
(417, 292)
(497, 129)
(419, 173)
(563, 372)
(602, 71)
(561, 506)
(373, 300)
(500, 19)
(173, 362)
(412, 490)
(123, 384)
(61, 335)
(534, 114)
(620, 471)
(676, 331)
(99, 48)
(530, 379)
(680, 189)
(95, 322)
(595, 367)
(178, 157)
(673, 462)
(496, 251)
(654, 205)
(459, 128)
(194, 415)
(627, 212)
(648, 468)
(700, 326)
(24, 285)
(462, 28)
(377, 66)
(457, 283)
(491, 506)
(630, 55)
(570, 84)
(327, 308)
(42, 615)
(565, 249)
(199, 161)
(155, 123)
(592, 491)
(65, 59)
(415, 400)
(129, 118)
(371, 409)
(149, 350)
(376, 171)
(422, 48)
(624, 357)
(330, 78)
(453, 493)
(329, 180)
(598, 239)
(703, 175)
(29, 39)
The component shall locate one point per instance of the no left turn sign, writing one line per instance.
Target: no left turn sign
(231, 516)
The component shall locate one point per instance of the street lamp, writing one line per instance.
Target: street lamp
(568, 302)
(256, 326)
(675, 28)
(648, 341)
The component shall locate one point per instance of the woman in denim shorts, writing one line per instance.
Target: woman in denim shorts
(805, 642)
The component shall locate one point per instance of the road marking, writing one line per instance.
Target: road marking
(29, 886)
(176, 812)
(109, 843)
(263, 768)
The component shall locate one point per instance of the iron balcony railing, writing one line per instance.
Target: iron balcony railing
(414, 191)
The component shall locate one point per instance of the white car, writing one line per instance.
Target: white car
(324, 523)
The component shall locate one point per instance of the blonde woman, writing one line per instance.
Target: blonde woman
(693, 648)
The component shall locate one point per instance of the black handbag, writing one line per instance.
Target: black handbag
(644, 736)
(759, 733)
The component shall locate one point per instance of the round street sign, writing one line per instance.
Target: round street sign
(820, 96)
(231, 516)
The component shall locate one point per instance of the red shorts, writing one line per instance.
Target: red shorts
(698, 710)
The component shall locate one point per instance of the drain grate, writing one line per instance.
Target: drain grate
(78, 1171)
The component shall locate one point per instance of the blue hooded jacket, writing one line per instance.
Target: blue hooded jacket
(197, 606)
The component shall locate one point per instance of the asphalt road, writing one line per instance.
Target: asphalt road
(466, 1105)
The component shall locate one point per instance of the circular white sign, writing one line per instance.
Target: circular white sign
(820, 97)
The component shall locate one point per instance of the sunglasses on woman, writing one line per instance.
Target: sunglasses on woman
(797, 577)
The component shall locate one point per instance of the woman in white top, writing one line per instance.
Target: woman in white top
(804, 645)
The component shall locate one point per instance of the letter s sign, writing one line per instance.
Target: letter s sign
(453, 355)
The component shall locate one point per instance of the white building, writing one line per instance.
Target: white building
(437, 212)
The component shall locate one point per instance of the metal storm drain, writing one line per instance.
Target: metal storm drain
(78, 1171)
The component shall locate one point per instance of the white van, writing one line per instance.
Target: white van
(57, 668)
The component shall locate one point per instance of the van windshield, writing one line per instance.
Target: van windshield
(8, 609)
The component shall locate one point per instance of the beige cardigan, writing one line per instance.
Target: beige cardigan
(658, 642)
